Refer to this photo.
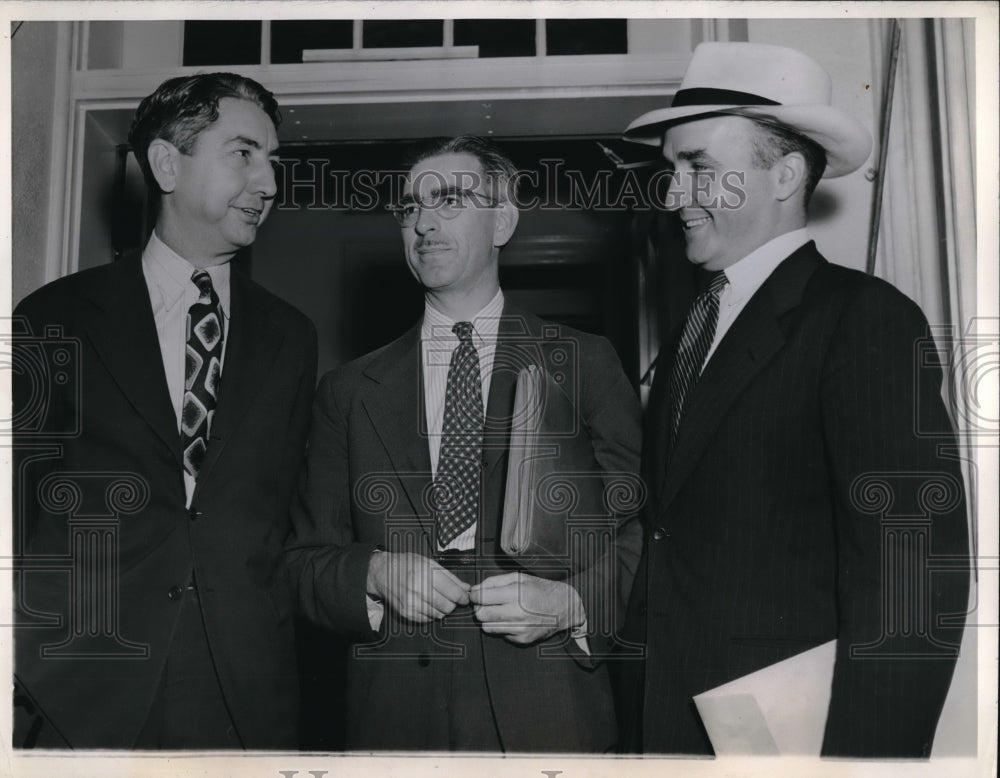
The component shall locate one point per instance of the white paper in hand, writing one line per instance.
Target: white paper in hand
(780, 709)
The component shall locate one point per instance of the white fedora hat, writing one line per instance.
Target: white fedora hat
(768, 83)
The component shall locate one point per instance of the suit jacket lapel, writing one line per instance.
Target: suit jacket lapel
(123, 332)
(513, 353)
(253, 345)
(395, 407)
(656, 441)
(747, 347)
(397, 411)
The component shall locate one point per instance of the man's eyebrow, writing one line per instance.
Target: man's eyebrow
(699, 156)
(245, 141)
(436, 192)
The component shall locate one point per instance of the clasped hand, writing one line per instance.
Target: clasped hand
(524, 608)
(415, 586)
(517, 606)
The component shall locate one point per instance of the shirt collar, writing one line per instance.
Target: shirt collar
(746, 276)
(485, 324)
(172, 274)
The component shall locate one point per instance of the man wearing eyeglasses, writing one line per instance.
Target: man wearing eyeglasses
(397, 523)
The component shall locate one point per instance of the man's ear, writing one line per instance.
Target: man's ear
(507, 216)
(790, 175)
(163, 162)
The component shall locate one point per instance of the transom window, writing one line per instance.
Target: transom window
(211, 43)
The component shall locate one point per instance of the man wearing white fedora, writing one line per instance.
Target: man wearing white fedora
(796, 497)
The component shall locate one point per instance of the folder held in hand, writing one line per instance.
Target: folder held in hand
(553, 479)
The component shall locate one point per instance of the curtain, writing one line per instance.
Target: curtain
(927, 241)
(927, 249)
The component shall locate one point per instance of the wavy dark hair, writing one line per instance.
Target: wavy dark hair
(181, 108)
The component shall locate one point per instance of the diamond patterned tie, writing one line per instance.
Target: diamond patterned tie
(458, 484)
(699, 331)
(202, 372)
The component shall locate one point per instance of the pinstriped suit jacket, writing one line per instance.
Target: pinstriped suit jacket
(812, 486)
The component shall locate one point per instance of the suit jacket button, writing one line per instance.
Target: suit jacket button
(175, 592)
(193, 514)
(659, 534)
(423, 660)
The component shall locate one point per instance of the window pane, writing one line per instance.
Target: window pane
(380, 34)
(222, 43)
(586, 36)
(497, 37)
(289, 38)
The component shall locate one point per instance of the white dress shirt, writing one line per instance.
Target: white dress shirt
(171, 294)
(747, 276)
(437, 343)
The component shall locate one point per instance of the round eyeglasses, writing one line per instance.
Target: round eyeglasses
(446, 204)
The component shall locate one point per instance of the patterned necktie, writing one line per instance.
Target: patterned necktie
(202, 372)
(459, 474)
(699, 331)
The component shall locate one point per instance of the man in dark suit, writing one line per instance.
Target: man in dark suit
(154, 477)
(397, 527)
(797, 448)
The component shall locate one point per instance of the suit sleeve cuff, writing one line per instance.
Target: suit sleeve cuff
(376, 610)
(579, 634)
